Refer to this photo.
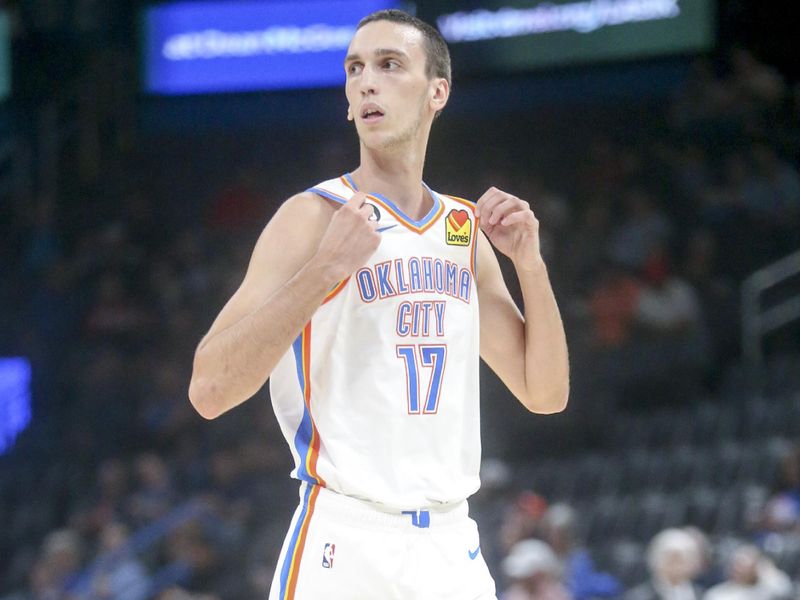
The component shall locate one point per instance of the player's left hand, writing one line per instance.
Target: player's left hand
(511, 226)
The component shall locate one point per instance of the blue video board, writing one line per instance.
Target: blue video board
(239, 46)
(15, 400)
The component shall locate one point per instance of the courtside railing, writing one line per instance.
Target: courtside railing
(758, 321)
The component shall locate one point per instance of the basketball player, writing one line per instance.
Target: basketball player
(360, 304)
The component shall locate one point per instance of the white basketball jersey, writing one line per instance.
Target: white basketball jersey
(378, 396)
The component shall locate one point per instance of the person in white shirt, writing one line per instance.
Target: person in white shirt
(673, 558)
(752, 576)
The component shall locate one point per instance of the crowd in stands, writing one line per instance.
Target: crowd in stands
(127, 494)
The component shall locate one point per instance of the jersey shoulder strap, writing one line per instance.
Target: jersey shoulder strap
(336, 189)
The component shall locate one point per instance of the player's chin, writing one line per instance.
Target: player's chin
(376, 140)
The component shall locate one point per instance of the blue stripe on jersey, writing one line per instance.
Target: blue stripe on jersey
(287, 560)
(349, 179)
(422, 222)
(302, 439)
(328, 195)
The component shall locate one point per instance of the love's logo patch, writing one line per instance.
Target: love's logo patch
(458, 228)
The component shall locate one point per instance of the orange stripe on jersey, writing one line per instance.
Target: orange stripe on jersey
(402, 219)
(336, 289)
(313, 450)
(297, 555)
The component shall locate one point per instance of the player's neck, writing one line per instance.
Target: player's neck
(396, 175)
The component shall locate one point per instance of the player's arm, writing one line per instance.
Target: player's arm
(307, 247)
(527, 352)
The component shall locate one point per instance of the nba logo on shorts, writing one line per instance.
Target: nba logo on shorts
(327, 556)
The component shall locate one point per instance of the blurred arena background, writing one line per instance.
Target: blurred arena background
(142, 149)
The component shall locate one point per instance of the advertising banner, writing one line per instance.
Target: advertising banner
(238, 46)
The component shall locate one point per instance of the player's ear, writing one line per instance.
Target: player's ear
(440, 94)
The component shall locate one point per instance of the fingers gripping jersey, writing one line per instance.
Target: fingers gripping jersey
(378, 396)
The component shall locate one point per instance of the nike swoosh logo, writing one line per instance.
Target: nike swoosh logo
(380, 229)
(474, 554)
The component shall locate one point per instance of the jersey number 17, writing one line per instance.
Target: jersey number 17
(432, 357)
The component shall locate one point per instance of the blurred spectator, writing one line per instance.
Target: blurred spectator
(583, 580)
(671, 343)
(752, 576)
(667, 306)
(780, 203)
(155, 494)
(690, 168)
(708, 573)
(107, 502)
(535, 571)
(704, 96)
(781, 513)
(589, 232)
(115, 313)
(755, 82)
(188, 545)
(612, 305)
(644, 228)
(673, 559)
(58, 565)
(163, 412)
(115, 574)
(717, 294)
(522, 519)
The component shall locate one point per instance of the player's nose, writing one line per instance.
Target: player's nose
(368, 82)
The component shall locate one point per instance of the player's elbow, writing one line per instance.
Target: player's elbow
(549, 402)
(204, 398)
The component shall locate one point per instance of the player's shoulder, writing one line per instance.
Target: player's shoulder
(306, 207)
(459, 206)
(321, 199)
(459, 201)
(307, 202)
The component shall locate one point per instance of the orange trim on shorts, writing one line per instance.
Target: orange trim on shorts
(297, 556)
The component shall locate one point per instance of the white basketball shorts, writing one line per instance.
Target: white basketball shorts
(340, 548)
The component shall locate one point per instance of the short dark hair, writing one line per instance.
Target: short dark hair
(436, 52)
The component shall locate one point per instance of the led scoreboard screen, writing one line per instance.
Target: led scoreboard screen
(511, 35)
(246, 45)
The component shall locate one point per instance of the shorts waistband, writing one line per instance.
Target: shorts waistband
(358, 512)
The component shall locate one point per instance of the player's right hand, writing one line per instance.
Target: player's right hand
(351, 238)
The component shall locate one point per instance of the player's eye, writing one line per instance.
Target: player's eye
(354, 68)
(390, 65)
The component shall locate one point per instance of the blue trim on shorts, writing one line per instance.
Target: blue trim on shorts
(287, 560)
